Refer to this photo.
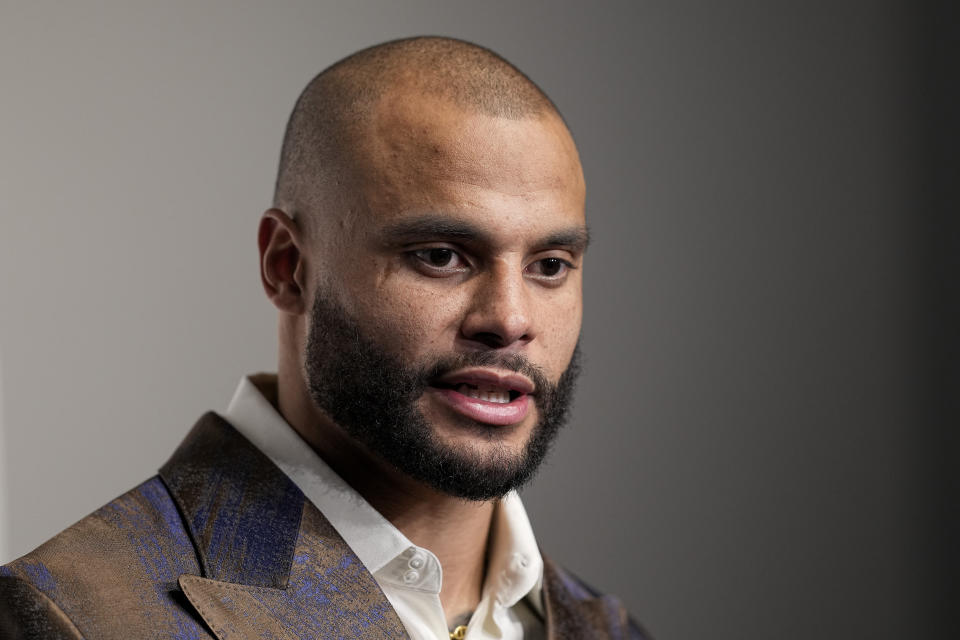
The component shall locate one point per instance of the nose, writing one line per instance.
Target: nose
(499, 315)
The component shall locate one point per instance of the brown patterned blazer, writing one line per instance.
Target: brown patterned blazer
(222, 544)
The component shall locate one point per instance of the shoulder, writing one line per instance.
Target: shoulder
(122, 559)
(576, 609)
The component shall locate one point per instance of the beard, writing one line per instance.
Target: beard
(372, 395)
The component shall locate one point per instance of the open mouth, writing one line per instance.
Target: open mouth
(485, 392)
(486, 396)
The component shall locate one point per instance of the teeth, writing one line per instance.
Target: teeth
(489, 394)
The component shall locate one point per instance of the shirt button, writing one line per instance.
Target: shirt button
(518, 563)
(416, 562)
(411, 576)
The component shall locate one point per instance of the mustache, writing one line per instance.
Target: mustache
(515, 362)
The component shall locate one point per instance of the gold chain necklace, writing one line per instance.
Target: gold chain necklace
(459, 633)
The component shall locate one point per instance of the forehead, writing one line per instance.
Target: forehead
(422, 154)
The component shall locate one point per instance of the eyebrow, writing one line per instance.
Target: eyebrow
(440, 227)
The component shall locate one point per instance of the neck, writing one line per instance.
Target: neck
(457, 531)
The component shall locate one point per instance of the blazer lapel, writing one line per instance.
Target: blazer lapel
(273, 566)
(575, 611)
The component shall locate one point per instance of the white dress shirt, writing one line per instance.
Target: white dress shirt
(410, 576)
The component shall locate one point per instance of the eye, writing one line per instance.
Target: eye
(439, 260)
(550, 268)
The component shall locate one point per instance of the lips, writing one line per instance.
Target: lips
(498, 398)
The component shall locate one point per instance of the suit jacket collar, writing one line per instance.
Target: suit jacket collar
(574, 610)
(330, 594)
(242, 512)
(274, 567)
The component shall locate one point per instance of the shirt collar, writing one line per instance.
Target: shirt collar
(515, 569)
(371, 536)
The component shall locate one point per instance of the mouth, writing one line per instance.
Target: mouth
(487, 396)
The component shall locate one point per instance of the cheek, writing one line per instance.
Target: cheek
(409, 318)
(560, 320)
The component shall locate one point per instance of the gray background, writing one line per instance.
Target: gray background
(761, 446)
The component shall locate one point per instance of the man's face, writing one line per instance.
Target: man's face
(447, 294)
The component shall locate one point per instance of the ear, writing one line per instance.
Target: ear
(281, 262)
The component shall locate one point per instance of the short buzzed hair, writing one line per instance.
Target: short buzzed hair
(334, 106)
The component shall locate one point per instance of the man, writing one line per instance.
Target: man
(424, 252)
